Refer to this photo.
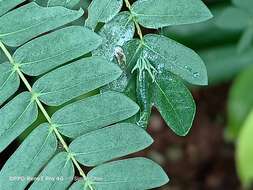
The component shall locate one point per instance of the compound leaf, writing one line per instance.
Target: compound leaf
(135, 173)
(6, 5)
(9, 81)
(29, 158)
(47, 52)
(56, 88)
(174, 102)
(32, 21)
(102, 11)
(57, 175)
(15, 117)
(160, 13)
(115, 33)
(108, 143)
(93, 113)
(167, 54)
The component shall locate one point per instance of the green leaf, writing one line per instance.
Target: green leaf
(233, 18)
(115, 33)
(28, 159)
(6, 5)
(246, 40)
(244, 4)
(102, 11)
(240, 102)
(221, 66)
(135, 173)
(32, 21)
(57, 175)
(83, 76)
(9, 81)
(160, 13)
(244, 152)
(108, 143)
(182, 61)
(174, 102)
(94, 113)
(15, 117)
(49, 51)
(65, 3)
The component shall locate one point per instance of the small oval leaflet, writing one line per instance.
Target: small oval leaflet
(134, 173)
(84, 75)
(29, 158)
(16, 116)
(94, 113)
(168, 55)
(47, 52)
(175, 103)
(32, 21)
(108, 143)
(160, 13)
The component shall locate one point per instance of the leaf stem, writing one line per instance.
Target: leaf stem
(46, 115)
(139, 32)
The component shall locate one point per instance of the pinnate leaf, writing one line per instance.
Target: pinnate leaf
(15, 117)
(56, 88)
(93, 113)
(47, 52)
(160, 13)
(108, 143)
(29, 158)
(32, 21)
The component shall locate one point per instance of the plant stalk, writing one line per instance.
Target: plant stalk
(139, 32)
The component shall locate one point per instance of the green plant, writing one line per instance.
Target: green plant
(60, 62)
